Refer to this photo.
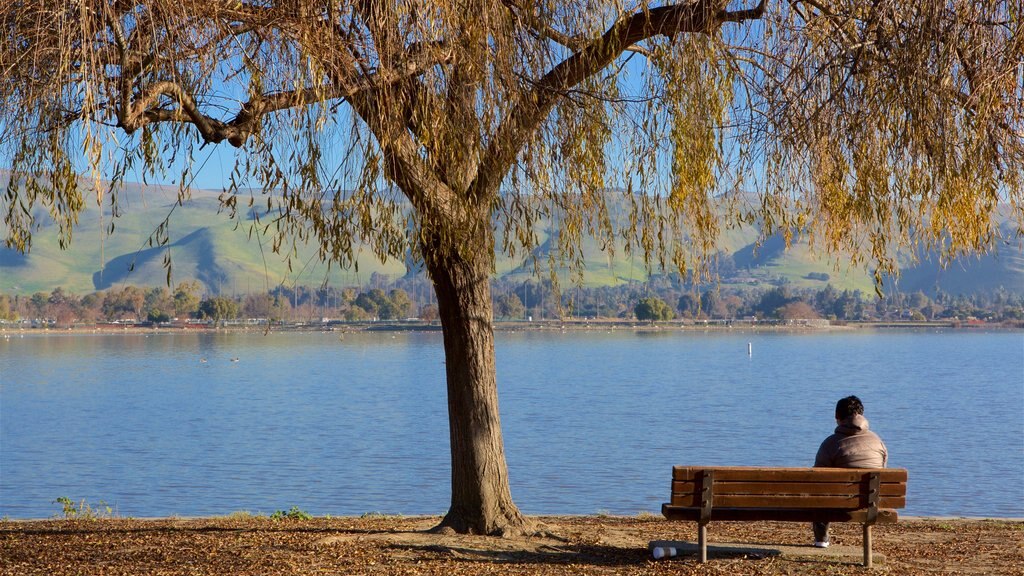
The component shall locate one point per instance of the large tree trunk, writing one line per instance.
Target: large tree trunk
(481, 500)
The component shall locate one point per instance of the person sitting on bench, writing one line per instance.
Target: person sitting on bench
(852, 446)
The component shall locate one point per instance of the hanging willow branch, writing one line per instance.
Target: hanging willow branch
(865, 125)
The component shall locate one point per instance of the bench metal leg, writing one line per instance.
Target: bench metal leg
(867, 545)
(702, 542)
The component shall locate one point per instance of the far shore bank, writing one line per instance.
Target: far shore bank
(568, 325)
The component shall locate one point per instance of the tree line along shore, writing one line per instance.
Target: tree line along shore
(526, 304)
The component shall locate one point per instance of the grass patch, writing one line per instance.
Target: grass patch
(378, 516)
(294, 513)
(242, 515)
(82, 510)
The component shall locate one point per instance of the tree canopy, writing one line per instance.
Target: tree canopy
(863, 124)
(652, 308)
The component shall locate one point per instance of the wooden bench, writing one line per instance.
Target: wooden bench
(734, 493)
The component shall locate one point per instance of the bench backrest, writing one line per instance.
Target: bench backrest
(754, 487)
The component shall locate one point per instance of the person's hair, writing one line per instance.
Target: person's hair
(848, 407)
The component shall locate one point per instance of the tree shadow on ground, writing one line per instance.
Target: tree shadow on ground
(589, 554)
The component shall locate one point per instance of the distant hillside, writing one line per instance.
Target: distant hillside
(1002, 269)
(207, 246)
(204, 245)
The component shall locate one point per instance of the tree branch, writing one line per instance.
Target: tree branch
(703, 16)
(145, 109)
(743, 15)
(433, 199)
(542, 29)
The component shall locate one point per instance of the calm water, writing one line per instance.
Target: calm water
(593, 421)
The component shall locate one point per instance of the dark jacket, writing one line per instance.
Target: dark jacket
(852, 446)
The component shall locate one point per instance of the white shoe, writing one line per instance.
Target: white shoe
(660, 553)
(821, 544)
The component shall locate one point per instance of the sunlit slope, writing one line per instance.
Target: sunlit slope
(599, 268)
(799, 266)
(202, 244)
(753, 264)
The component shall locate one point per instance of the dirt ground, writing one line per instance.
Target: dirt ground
(563, 545)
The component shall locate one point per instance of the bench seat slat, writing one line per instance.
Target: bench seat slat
(788, 501)
(885, 515)
(760, 474)
(794, 488)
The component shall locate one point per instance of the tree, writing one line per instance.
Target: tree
(91, 306)
(62, 307)
(863, 124)
(688, 306)
(797, 310)
(6, 308)
(218, 309)
(159, 300)
(774, 300)
(39, 301)
(509, 306)
(124, 304)
(919, 301)
(356, 313)
(732, 305)
(186, 299)
(653, 309)
(711, 303)
(371, 301)
(271, 307)
(429, 313)
(401, 304)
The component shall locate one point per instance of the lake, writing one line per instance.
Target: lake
(195, 424)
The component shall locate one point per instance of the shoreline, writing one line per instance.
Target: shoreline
(739, 326)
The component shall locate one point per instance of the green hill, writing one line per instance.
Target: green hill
(203, 245)
(207, 246)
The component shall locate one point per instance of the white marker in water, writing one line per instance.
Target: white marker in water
(750, 348)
